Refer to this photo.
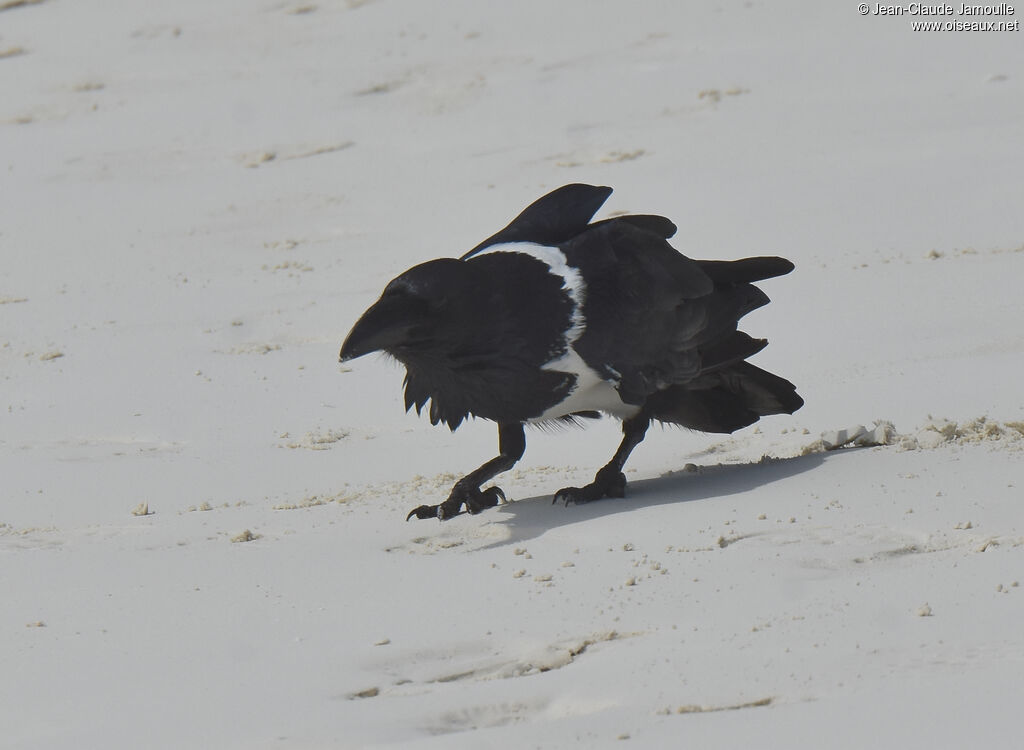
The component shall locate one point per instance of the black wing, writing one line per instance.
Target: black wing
(656, 319)
(552, 219)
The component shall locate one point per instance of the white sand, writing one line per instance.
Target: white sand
(198, 200)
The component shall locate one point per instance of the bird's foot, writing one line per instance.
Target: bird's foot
(475, 500)
(609, 482)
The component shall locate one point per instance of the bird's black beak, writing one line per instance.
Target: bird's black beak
(384, 326)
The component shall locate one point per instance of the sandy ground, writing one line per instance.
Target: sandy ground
(202, 540)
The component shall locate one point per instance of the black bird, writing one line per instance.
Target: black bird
(556, 318)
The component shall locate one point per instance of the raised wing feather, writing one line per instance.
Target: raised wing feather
(552, 219)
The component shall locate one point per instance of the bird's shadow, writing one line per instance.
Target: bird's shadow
(530, 517)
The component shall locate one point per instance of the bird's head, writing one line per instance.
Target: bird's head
(417, 313)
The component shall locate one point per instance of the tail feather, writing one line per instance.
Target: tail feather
(730, 350)
(765, 392)
(726, 400)
(746, 269)
(658, 225)
(723, 310)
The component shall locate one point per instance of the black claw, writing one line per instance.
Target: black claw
(482, 500)
(609, 482)
(423, 511)
(474, 499)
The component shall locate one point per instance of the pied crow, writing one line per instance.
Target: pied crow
(556, 317)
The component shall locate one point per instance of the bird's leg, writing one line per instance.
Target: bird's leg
(609, 481)
(511, 444)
